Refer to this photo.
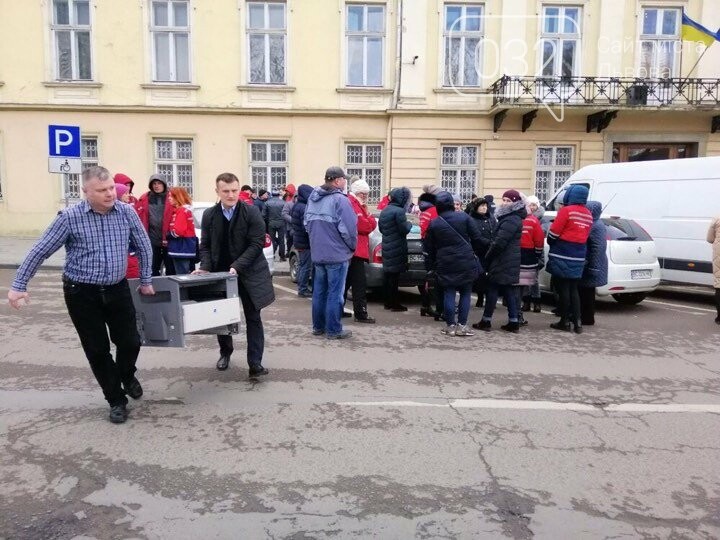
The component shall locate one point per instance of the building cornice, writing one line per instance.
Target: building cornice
(71, 84)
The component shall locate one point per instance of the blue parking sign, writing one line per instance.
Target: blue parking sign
(64, 141)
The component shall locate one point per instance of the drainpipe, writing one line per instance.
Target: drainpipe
(396, 90)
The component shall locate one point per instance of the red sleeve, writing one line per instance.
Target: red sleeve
(183, 225)
(366, 222)
(558, 225)
(538, 235)
(383, 202)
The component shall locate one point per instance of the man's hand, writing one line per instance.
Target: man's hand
(146, 290)
(198, 272)
(18, 299)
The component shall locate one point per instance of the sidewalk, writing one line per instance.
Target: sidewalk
(13, 250)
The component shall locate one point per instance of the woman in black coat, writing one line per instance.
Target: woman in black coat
(503, 259)
(451, 242)
(486, 223)
(394, 228)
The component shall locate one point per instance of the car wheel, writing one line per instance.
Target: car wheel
(293, 268)
(630, 299)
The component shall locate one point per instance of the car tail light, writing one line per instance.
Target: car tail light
(377, 254)
(268, 241)
(617, 288)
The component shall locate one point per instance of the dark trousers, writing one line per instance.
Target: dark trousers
(357, 280)
(587, 305)
(568, 299)
(277, 235)
(253, 329)
(717, 302)
(304, 271)
(288, 239)
(509, 293)
(94, 310)
(391, 285)
(160, 259)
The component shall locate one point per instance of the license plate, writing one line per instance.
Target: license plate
(641, 274)
(415, 258)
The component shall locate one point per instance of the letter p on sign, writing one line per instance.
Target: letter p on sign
(64, 141)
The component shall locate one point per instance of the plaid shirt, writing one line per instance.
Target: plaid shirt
(96, 246)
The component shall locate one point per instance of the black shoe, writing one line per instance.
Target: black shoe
(717, 319)
(317, 332)
(398, 308)
(439, 317)
(526, 305)
(305, 295)
(223, 363)
(561, 325)
(480, 302)
(257, 372)
(523, 322)
(387, 306)
(118, 414)
(428, 312)
(577, 328)
(513, 327)
(133, 389)
(483, 325)
(365, 319)
(344, 334)
(555, 311)
(346, 315)
(536, 307)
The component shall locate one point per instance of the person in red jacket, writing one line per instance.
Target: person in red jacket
(133, 266)
(125, 180)
(366, 224)
(182, 227)
(532, 250)
(429, 289)
(155, 214)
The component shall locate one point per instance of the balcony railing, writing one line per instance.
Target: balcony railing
(607, 92)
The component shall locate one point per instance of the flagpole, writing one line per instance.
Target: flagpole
(682, 84)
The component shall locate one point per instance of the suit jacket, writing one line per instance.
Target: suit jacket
(246, 238)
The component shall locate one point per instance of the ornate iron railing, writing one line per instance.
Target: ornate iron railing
(607, 91)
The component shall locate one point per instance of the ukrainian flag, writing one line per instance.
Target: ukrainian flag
(692, 31)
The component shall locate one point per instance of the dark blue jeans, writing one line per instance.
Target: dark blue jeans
(509, 292)
(328, 297)
(182, 266)
(303, 271)
(463, 307)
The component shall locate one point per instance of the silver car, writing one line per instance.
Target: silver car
(199, 207)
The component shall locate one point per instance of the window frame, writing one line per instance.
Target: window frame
(365, 34)
(268, 164)
(175, 161)
(658, 38)
(463, 34)
(73, 28)
(172, 30)
(553, 169)
(558, 40)
(458, 167)
(85, 162)
(267, 32)
(352, 168)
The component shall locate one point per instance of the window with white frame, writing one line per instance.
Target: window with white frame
(553, 166)
(459, 169)
(560, 41)
(170, 34)
(89, 158)
(659, 43)
(267, 38)
(366, 161)
(365, 44)
(174, 162)
(71, 39)
(269, 164)
(463, 35)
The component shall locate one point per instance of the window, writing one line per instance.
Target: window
(88, 158)
(659, 43)
(553, 166)
(170, 33)
(269, 164)
(71, 38)
(560, 41)
(463, 44)
(365, 42)
(366, 161)
(458, 172)
(266, 42)
(174, 162)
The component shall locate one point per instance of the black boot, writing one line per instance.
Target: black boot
(363, 317)
(513, 327)
(536, 306)
(480, 301)
(427, 312)
(562, 324)
(526, 304)
(521, 319)
(577, 327)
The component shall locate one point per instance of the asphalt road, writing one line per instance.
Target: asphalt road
(399, 432)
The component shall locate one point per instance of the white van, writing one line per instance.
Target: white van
(673, 200)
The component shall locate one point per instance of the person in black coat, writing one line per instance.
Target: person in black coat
(503, 259)
(394, 227)
(595, 273)
(486, 223)
(451, 241)
(301, 241)
(233, 238)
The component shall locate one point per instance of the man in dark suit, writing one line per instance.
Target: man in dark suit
(233, 237)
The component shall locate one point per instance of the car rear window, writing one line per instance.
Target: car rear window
(625, 229)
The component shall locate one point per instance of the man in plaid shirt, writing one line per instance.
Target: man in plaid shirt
(96, 234)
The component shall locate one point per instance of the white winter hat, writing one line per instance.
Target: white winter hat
(532, 199)
(360, 186)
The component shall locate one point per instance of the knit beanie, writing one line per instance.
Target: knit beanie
(532, 199)
(432, 189)
(360, 186)
(513, 195)
(120, 190)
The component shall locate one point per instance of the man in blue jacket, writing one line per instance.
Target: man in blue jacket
(331, 224)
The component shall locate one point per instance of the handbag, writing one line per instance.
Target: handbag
(182, 247)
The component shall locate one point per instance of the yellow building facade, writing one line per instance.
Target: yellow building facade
(476, 96)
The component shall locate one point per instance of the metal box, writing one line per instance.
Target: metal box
(187, 304)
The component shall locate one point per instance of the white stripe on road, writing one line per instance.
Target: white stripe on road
(679, 306)
(286, 289)
(546, 405)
